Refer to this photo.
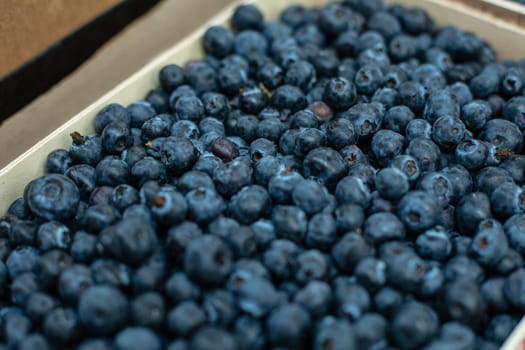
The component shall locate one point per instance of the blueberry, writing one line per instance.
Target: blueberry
(280, 257)
(22, 287)
(257, 297)
(111, 113)
(129, 240)
(38, 305)
(406, 271)
(47, 269)
(247, 17)
(290, 222)
(185, 318)
(34, 341)
(404, 331)
(351, 248)
(438, 186)
(434, 244)
(116, 137)
(454, 335)
(371, 330)
(207, 260)
(493, 294)
(178, 288)
(386, 145)
(135, 338)
(288, 326)
(366, 117)
(462, 301)
(58, 161)
(171, 76)
(408, 165)
(513, 287)
(448, 131)
(84, 247)
(139, 112)
(510, 262)
(391, 183)
(23, 232)
(61, 325)
(102, 309)
(231, 177)
(325, 165)
(16, 326)
(387, 300)
(86, 149)
(210, 337)
(351, 299)
(412, 95)
(425, 152)
(334, 331)
(352, 189)
(489, 178)
(507, 199)
(22, 259)
(502, 134)
(381, 227)
(52, 197)
(441, 104)
(418, 210)
(249, 333)
(148, 169)
(490, 244)
(219, 306)
(73, 281)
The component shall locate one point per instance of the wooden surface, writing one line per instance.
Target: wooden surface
(28, 27)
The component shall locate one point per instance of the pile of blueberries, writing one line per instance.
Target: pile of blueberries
(347, 177)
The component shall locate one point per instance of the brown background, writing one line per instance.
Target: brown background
(160, 28)
(28, 27)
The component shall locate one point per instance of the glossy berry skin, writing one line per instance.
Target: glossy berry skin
(434, 244)
(425, 152)
(207, 260)
(381, 227)
(129, 240)
(210, 337)
(116, 137)
(438, 186)
(135, 338)
(402, 329)
(171, 76)
(448, 131)
(217, 41)
(86, 149)
(386, 145)
(418, 210)
(52, 197)
(112, 171)
(349, 250)
(52, 235)
(335, 331)
(113, 112)
(463, 301)
(324, 165)
(490, 243)
(282, 332)
(418, 128)
(185, 318)
(507, 199)
(502, 134)
(339, 93)
(102, 309)
(58, 161)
